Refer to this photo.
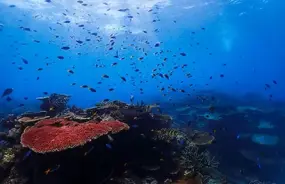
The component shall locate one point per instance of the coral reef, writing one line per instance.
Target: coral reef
(71, 145)
(59, 134)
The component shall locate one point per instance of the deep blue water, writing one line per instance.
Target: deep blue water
(241, 40)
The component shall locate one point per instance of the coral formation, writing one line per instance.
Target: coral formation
(59, 134)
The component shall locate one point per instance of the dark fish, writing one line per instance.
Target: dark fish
(79, 41)
(222, 75)
(84, 86)
(8, 99)
(7, 91)
(27, 154)
(123, 10)
(60, 57)
(135, 126)
(92, 90)
(25, 61)
(26, 98)
(267, 85)
(65, 48)
(166, 76)
(86, 153)
(38, 78)
(274, 81)
(70, 71)
(114, 64)
(157, 45)
(45, 93)
(183, 54)
(72, 84)
(12, 6)
(105, 76)
(109, 146)
(111, 89)
(48, 1)
(67, 21)
(40, 69)
(124, 79)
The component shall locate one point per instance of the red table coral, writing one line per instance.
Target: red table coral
(58, 134)
(116, 126)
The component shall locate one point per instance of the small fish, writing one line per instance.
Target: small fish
(105, 76)
(135, 126)
(222, 75)
(27, 154)
(274, 81)
(84, 86)
(211, 108)
(183, 54)
(124, 79)
(92, 90)
(166, 76)
(7, 92)
(267, 85)
(70, 71)
(123, 10)
(25, 61)
(87, 152)
(258, 163)
(65, 48)
(111, 89)
(60, 57)
(114, 64)
(50, 170)
(111, 139)
(132, 98)
(109, 146)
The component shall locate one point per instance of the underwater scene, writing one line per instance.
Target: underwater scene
(142, 92)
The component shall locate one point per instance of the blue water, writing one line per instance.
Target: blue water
(242, 40)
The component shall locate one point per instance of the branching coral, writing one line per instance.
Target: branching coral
(192, 158)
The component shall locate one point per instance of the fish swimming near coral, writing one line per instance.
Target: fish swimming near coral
(50, 170)
(87, 152)
(7, 92)
(27, 154)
